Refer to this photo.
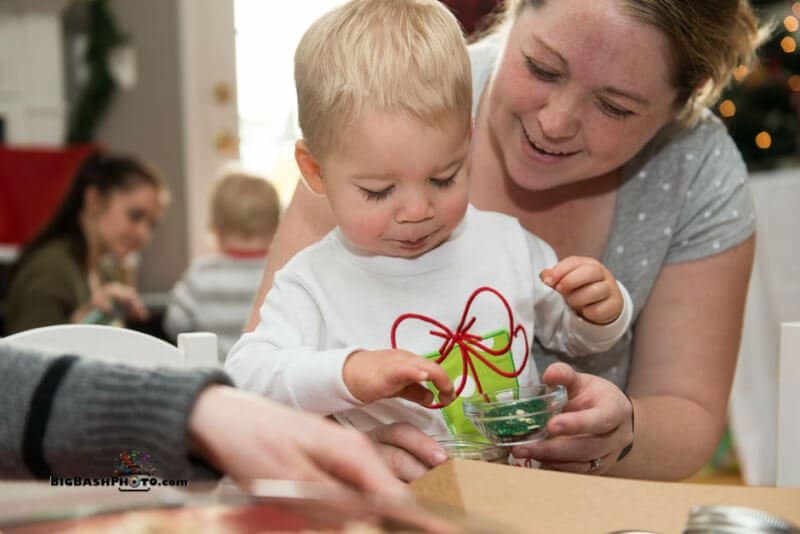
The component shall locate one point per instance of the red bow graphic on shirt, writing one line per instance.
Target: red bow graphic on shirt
(469, 342)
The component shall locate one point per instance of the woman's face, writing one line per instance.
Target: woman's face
(580, 89)
(123, 222)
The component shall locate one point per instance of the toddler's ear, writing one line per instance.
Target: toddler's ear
(309, 167)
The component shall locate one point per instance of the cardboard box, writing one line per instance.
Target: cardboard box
(533, 501)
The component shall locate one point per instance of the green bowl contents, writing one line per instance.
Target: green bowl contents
(515, 416)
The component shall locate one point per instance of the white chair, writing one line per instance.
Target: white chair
(120, 345)
(788, 465)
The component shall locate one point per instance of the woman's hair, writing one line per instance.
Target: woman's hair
(107, 174)
(385, 55)
(708, 39)
(246, 205)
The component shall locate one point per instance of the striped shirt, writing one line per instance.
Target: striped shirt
(215, 295)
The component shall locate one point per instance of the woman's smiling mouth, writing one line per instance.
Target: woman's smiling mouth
(549, 154)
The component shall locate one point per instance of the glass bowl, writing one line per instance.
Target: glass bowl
(473, 447)
(515, 416)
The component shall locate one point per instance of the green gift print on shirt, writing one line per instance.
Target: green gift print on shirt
(461, 357)
(453, 365)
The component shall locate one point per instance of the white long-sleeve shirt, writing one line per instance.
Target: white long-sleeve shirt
(331, 300)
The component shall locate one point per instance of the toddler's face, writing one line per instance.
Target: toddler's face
(396, 186)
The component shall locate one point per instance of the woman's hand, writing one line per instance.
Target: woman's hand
(268, 440)
(105, 298)
(409, 452)
(593, 430)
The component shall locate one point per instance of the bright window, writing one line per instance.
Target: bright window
(267, 34)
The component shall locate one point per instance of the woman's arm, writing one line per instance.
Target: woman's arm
(56, 404)
(306, 220)
(685, 346)
(75, 417)
(685, 350)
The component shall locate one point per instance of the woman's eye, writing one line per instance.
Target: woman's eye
(613, 111)
(381, 194)
(541, 73)
(443, 183)
(136, 215)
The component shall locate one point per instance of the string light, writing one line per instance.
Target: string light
(741, 73)
(788, 44)
(791, 24)
(727, 108)
(763, 140)
(794, 83)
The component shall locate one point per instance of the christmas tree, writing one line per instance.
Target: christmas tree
(762, 107)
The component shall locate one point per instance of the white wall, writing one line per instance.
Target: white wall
(171, 118)
(146, 120)
(32, 98)
(208, 62)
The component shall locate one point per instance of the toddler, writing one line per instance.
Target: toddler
(414, 285)
(216, 292)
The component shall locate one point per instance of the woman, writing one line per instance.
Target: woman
(591, 129)
(63, 275)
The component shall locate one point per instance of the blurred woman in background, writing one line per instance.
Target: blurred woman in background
(70, 272)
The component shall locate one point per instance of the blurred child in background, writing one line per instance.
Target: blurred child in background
(215, 293)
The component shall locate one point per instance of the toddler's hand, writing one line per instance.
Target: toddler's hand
(588, 287)
(380, 374)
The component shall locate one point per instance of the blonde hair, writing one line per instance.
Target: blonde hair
(383, 55)
(244, 204)
(709, 40)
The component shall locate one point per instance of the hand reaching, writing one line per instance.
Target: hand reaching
(380, 374)
(268, 440)
(588, 287)
(409, 452)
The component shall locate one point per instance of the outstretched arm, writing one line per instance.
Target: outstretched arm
(579, 307)
(266, 440)
(181, 418)
(685, 346)
(282, 359)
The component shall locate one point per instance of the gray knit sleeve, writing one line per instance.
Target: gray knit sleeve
(99, 412)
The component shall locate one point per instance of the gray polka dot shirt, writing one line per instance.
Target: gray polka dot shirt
(683, 198)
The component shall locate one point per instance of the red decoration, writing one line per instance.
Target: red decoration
(470, 13)
(466, 341)
(32, 184)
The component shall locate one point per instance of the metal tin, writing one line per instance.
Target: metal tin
(718, 519)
